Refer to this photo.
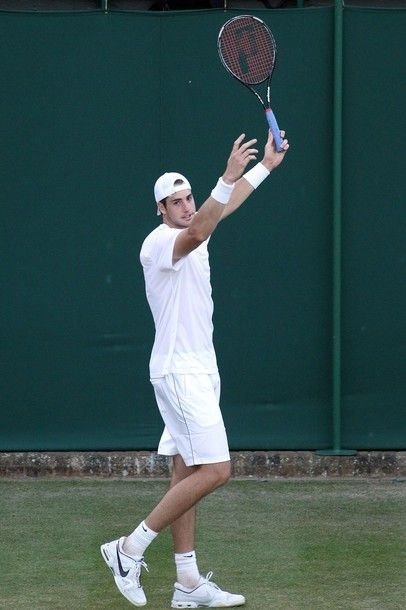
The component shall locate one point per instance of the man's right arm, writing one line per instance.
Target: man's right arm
(210, 213)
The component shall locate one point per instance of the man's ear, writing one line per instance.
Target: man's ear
(162, 207)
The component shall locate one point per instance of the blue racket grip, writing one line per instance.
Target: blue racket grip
(273, 125)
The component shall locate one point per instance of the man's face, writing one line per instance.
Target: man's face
(179, 209)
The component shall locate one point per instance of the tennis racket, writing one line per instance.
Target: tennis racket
(247, 50)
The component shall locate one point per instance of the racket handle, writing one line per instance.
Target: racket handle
(273, 125)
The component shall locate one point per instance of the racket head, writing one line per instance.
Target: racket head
(247, 49)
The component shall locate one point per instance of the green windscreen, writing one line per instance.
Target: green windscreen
(94, 107)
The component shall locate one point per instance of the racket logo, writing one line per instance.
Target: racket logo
(246, 47)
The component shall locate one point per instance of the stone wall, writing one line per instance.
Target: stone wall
(261, 464)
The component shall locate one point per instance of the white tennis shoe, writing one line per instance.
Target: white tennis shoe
(206, 594)
(126, 571)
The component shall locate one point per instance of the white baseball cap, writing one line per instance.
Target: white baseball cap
(165, 186)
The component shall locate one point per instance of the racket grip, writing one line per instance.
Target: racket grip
(273, 126)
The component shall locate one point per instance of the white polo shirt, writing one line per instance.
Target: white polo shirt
(180, 300)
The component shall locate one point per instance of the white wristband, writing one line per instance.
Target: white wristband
(222, 191)
(256, 175)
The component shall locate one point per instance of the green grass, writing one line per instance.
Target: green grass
(286, 545)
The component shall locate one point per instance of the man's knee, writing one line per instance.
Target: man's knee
(217, 474)
(225, 472)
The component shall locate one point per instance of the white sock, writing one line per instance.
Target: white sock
(136, 543)
(187, 572)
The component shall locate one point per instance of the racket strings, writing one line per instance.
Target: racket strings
(247, 49)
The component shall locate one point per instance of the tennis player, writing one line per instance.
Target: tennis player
(184, 373)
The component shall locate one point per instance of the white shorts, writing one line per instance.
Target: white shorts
(194, 428)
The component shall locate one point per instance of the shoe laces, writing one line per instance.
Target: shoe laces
(136, 570)
(140, 563)
(209, 582)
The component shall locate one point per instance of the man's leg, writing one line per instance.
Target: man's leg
(181, 498)
(183, 532)
(183, 529)
(184, 495)
(191, 589)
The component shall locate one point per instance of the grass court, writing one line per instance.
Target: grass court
(285, 545)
